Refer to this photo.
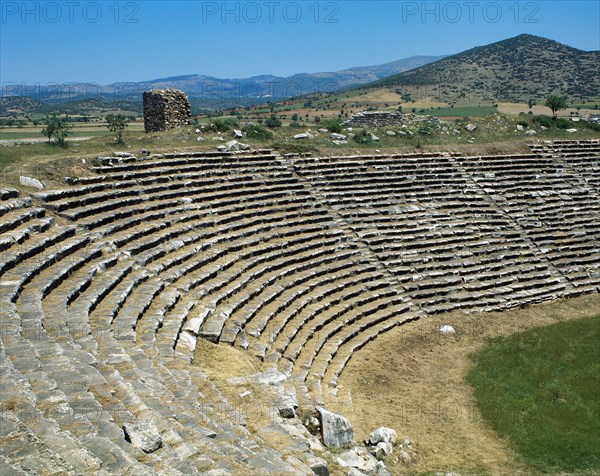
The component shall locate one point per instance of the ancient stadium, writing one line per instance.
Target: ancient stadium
(112, 285)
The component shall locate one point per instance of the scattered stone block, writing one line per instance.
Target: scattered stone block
(287, 406)
(336, 430)
(31, 182)
(382, 434)
(447, 330)
(319, 466)
(143, 435)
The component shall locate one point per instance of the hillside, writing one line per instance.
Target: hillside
(208, 91)
(19, 106)
(514, 70)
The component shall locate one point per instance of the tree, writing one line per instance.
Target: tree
(63, 129)
(57, 127)
(48, 131)
(116, 123)
(556, 103)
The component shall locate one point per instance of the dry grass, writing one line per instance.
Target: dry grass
(413, 379)
(516, 108)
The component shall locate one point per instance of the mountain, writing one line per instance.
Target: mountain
(208, 90)
(518, 69)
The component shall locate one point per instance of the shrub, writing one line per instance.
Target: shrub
(255, 131)
(222, 125)
(272, 122)
(593, 126)
(543, 121)
(425, 130)
(562, 123)
(523, 123)
(295, 124)
(363, 137)
(333, 125)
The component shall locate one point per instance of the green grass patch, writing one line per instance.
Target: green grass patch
(540, 390)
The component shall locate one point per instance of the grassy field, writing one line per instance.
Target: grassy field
(79, 130)
(11, 134)
(540, 390)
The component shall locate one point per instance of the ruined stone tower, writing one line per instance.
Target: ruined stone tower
(165, 109)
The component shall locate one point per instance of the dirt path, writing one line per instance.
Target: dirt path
(413, 380)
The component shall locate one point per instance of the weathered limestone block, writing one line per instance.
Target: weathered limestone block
(143, 435)
(336, 430)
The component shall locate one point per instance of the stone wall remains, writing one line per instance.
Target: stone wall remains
(371, 119)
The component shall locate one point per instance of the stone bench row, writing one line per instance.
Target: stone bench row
(421, 160)
(134, 189)
(19, 235)
(260, 218)
(491, 168)
(230, 160)
(224, 250)
(36, 246)
(315, 359)
(259, 285)
(19, 216)
(55, 313)
(330, 363)
(328, 268)
(333, 302)
(13, 203)
(185, 194)
(271, 258)
(162, 175)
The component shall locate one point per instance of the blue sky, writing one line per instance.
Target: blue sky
(108, 41)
